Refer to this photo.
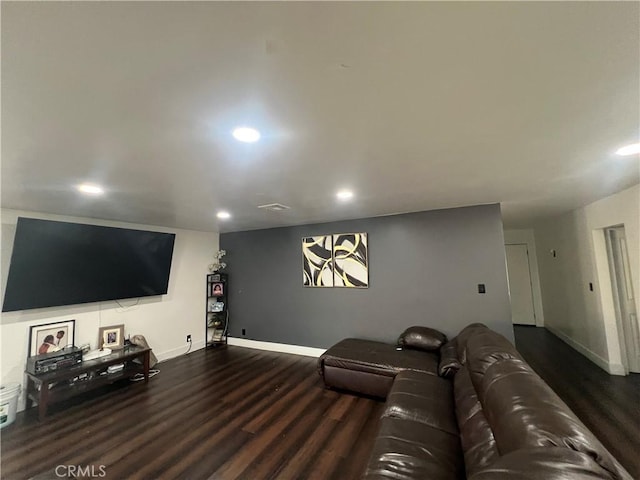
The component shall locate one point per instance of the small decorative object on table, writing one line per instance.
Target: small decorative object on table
(111, 337)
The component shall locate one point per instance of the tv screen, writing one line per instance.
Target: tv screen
(60, 263)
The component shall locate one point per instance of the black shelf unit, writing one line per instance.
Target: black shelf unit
(217, 321)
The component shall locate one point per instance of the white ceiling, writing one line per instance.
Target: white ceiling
(414, 106)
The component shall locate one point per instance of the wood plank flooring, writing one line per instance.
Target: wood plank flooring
(608, 405)
(225, 413)
(239, 413)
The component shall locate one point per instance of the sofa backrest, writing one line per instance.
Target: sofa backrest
(520, 409)
(463, 337)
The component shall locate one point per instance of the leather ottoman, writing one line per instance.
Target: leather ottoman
(369, 367)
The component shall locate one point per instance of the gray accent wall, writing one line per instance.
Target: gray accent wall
(424, 269)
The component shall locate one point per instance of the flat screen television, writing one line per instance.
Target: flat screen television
(61, 263)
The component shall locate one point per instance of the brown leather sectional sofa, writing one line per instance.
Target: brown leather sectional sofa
(493, 418)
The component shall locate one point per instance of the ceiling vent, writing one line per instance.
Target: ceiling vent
(274, 207)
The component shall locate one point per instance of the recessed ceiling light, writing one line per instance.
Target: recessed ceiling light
(90, 189)
(629, 149)
(246, 134)
(223, 215)
(344, 194)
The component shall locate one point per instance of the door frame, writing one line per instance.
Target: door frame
(614, 296)
(623, 316)
(518, 237)
(613, 331)
(528, 259)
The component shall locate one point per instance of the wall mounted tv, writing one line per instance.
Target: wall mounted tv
(60, 263)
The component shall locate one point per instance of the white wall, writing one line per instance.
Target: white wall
(585, 319)
(527, 237)
(164, 320)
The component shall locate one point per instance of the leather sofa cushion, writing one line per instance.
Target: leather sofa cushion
(465, 334)
(478, 443)
(377, 357)
(524, 413)
(485, 348)
(422, 338)
(545, 463)
(423, 398)
(449, 362)
(405, 449)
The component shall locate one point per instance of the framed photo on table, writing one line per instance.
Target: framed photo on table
(111, 337)
(51, 337)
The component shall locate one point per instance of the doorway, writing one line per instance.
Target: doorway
(520, 285)
(623, 297)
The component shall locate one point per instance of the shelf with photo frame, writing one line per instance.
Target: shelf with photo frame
(217, 309)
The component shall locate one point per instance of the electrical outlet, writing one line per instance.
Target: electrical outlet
(188, 338)
(244, 332)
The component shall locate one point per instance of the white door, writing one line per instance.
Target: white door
(519, 275)
(624, 296)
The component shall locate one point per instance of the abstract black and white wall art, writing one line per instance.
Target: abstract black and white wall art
(317, 261)
(350, 267)
(338, 260)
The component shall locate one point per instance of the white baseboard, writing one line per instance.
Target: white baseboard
(612, 368)
(176, 352)
(276, 347)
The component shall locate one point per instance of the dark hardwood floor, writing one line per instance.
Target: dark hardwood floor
(225, 413)
(608, 405)
(239, 413)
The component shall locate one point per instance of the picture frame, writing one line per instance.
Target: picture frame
(317, 261)
(351, 260)
(217, 307)
(336, 260)
(217, 289)
(51, 337)
(111, 337)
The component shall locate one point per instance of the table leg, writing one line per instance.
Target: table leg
(31, 390)
(43, 400)
(147, 356)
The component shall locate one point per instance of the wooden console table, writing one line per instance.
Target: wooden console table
(60, 385)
